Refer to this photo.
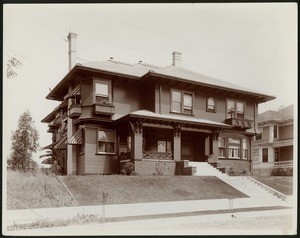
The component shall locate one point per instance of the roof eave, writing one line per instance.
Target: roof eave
(261, 97)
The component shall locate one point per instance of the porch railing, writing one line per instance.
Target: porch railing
(157, 155)
(267, 165)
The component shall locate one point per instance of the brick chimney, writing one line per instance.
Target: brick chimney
(72, 49)
(176, 59)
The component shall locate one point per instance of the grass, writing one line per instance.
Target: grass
(283, 184)
(35, 190)
(88, 189)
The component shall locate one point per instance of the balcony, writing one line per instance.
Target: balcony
(239, 122)
(75, 110)
(104, 108)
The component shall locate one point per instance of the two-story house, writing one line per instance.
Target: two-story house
(161, 116)
(273, 146)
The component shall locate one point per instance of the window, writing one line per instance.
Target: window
(277, 153)
(235, 109)
(161, 146)
(101, 92)
(233, 148)
(182, 102)
(106, 142)
(211, 105)
(245, 149)
(222, 147)
(275, 131)
(265, 155)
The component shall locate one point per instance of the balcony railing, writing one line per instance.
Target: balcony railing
(104, 108)
(239, 122)
(157, 155)
(75, 111)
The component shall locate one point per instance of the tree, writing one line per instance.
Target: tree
(12, 66)
(24, 143)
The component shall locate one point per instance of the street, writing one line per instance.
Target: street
(252, 223)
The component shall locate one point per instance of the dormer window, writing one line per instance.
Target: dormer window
(211, 105)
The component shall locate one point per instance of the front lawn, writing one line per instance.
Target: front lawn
(88, 189)
(283, 184)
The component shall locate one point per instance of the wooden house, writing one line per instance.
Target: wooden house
(160, 117)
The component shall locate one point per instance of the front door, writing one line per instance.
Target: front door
(187, 151)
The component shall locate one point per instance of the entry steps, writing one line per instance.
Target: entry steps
(245, 184)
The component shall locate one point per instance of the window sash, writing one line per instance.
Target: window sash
(275, 131)
(181, 102)
(106, 141)
(265, 155)
(211, 104)
(101, 89)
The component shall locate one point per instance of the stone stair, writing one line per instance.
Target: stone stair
(245, 184)
(205, 169)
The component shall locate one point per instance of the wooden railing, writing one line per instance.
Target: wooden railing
(157, 155)
(281, 164)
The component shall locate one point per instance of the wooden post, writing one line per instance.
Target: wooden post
(177, 143)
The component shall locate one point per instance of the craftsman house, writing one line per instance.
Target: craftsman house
(158, 116)
(273, 146)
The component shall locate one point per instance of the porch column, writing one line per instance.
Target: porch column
(215, 146)
(138, 140)
(177, 143)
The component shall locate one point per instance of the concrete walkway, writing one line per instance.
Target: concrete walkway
(137, 209)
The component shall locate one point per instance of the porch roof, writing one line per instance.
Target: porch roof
(151, 116)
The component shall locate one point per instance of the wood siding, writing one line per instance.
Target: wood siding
(95, 163)
(285, 132)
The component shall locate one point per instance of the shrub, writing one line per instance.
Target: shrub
(128, 169)
(282, 172)
(231, 172)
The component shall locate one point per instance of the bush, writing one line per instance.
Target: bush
(128, 169)
(282, 172)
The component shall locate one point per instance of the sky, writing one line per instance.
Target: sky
(253, 45)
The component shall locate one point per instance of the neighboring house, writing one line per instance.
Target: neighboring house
(273, 147)
(162, 117)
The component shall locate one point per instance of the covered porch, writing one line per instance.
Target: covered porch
(165, 143)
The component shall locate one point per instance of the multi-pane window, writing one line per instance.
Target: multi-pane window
(265, 155)
(245, 149)
(101, 92)
(106, 141)
(211, 106)
(182, 102)
(234, 148)
(235, 109)
(275, 131)
(222, 147)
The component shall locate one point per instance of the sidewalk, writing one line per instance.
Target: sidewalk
(137, 209)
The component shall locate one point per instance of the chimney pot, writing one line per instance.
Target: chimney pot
(72, 50)
(176, 59)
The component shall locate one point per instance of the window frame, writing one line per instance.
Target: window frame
(183, 107)
(115, 142)
(275, 126)
(263, 155)
(235, 111)
(208, 105)
(109, 88)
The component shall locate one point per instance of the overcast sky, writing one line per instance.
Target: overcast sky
(251, 45)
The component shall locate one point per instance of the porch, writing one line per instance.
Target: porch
(163, 144)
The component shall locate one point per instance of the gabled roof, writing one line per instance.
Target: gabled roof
(141, 70)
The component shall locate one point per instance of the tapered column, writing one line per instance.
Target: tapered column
(138, 140)
(215, 145)
(177, 143)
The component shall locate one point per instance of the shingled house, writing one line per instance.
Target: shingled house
(165, 116)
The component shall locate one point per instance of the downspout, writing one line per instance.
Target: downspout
(160, 94)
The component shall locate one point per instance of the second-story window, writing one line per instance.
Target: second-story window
(181, 102)
(102, 92)
(211, 106)
(235, 109)
(275, 131)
